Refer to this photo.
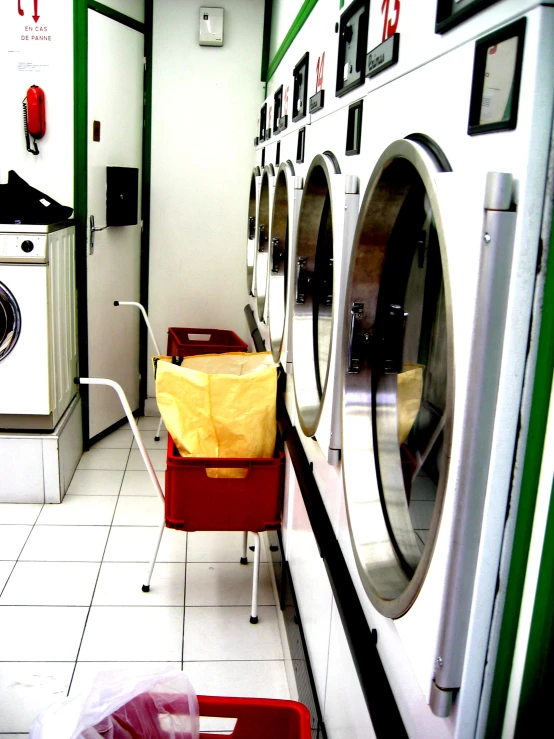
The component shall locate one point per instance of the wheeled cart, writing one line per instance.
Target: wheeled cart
(196, 501)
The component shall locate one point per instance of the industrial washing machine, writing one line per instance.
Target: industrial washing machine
(438, 313)
(449, 126)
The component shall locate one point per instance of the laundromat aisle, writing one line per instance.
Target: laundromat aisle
(71, 602)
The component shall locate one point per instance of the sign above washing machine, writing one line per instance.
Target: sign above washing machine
(352, 47)
(300, 94)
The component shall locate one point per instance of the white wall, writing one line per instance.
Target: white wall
(204, 102)
(282, 17)
(25, 60)
(132, 8)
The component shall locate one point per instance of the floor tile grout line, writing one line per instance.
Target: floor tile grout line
(129, 605)
(97, 578)
(9, 576)
(23, 546)
(186, 533)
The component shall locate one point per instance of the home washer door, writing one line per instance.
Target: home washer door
(10, 321)
(398, 375)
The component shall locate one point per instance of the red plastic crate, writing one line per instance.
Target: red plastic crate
(258, 717)
(187, 342)
(255, 717)
(196, 502)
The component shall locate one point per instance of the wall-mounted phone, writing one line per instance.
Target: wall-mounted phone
(34, 117)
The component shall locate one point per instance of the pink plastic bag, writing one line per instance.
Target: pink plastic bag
(125, 704)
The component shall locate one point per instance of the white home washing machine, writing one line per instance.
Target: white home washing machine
(437, 321)
(38, 362)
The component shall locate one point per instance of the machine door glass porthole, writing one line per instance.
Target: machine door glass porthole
(251, 229)
(278, 260)
(10, 321)
(313, 299)
(262, 245)
(398, 381)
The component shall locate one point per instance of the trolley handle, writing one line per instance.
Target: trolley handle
(132, 424)
(117, 303)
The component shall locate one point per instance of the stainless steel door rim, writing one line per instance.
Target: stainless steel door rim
(262, 240)
(279, 252)
(251, 228)
(313, 293)
(399, 318)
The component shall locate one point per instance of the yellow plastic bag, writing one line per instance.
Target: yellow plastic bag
(219, 405)
(410, 387)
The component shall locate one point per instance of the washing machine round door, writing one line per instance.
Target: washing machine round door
(251, 228)
(262, 250)
(279, 258)
(313, 301)
(10, 321)
(398, 379)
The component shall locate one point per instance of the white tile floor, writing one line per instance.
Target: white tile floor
(71, 602)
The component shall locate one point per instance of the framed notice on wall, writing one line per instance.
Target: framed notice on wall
(496, 80)
(452, 12)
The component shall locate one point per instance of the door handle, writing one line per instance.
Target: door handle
(276, 253)
(354, 353)
(93, 230)
(262, 238)
(301, 279)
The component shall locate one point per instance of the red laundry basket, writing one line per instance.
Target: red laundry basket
(258, 717)
(196, 502)
(186, 342)
(255, 717)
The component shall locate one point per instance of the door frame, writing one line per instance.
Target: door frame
(80, 187)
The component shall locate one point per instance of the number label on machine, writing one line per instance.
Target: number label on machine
(317, 101)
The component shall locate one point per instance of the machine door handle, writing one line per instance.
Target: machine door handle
(354, 362)
(276, 254)
(93, 229)
(301, 279)
(262, 238)
(392, 339)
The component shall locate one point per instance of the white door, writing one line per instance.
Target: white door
(115, 102)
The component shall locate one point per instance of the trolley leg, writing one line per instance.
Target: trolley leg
(146, 586)
(158, 432)
(255, 578)
(244, 558)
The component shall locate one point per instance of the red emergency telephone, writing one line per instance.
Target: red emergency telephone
(34, 117)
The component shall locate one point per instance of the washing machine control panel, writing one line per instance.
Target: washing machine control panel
(22, 247)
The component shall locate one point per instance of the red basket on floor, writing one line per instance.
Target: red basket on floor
(196, 502)
(187, 342)
(258, 717)
(255, 717)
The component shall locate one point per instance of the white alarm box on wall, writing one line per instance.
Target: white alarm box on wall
(211, 27)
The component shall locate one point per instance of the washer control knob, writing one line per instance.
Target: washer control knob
(27, 246)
